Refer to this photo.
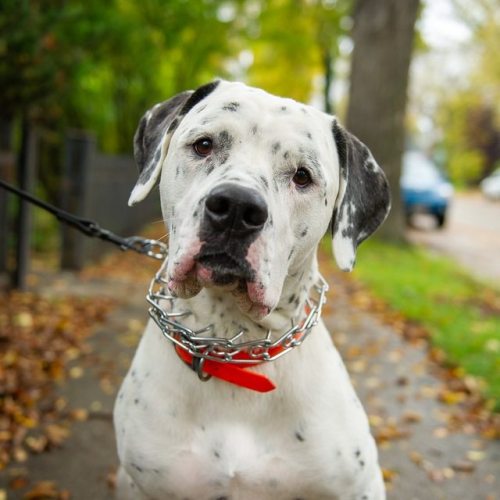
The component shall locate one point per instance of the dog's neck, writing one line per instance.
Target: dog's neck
(219, 308)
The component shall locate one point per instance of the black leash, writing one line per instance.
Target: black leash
(151, 248)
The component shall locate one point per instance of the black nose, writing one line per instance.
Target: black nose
(229, 206)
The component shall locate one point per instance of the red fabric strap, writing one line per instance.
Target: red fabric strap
(234, 374)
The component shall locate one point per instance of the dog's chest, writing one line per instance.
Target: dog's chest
(180, 438)
(181, 452)
(217, 461)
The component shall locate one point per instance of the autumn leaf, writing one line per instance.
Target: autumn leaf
(39, 339)
(45, 490)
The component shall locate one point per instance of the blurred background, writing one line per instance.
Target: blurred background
(417, 80)
(421, 77)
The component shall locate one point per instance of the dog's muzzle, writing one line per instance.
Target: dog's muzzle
(233, 218)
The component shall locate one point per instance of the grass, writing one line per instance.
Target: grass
(461, 314)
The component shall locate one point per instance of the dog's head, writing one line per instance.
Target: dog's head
(250, 183)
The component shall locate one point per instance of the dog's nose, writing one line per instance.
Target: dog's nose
(229, 206)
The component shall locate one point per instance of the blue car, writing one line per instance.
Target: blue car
(424, 189)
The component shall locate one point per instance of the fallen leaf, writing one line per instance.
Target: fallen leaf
(43, 490)
(388, 474)
(411, 417)
(463, 466)
(37, 444)
(18, 483)
(476, 456)
(56, 434)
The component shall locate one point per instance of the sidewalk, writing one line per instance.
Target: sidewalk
(423, 457)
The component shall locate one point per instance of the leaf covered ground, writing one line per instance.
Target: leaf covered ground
(430, 418)
(41, 342)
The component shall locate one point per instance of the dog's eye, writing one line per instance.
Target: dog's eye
(302, 178)
(203, 147)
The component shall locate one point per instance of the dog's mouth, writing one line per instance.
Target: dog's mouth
(221, 268)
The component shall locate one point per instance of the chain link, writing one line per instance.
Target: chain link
(225, 350)
(152, 248)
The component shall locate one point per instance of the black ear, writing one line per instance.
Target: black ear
(363, 200)
(153, 135)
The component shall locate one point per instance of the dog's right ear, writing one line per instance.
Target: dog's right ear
(153, 134)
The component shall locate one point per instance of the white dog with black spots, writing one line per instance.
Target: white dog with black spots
(249, 185)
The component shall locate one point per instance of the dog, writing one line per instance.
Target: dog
(249, 184)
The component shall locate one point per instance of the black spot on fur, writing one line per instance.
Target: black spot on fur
(225, 140)
(198, 95)
(300, 437)
(137, 468)
(173, 125)
(232, 106)
(254, 130)
(303, 233)
(275, 147)
(201, 108)
(264, 181)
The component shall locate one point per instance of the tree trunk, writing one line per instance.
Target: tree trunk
(383, 35)
(328, 68)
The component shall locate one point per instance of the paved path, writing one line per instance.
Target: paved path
(396, 382)
(471, 236)
(393, 378)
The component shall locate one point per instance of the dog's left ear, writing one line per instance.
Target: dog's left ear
(153, 134)
(363, 199)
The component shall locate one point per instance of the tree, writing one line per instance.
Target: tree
(295, 41)
(383, 36)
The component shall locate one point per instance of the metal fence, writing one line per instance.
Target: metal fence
(93, 185)
(97, 186)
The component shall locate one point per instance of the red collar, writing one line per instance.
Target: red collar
(237, 374)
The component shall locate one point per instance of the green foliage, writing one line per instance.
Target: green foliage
(470, 136)
(470, 117)
(99, 65)
(458, 312)
(292, 41)
(464, 163)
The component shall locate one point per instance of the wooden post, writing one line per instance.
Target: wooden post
(26, 181)
(79, 152)
(6, 170)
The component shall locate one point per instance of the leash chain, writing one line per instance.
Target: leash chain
(225, 350)
(145, 246)
(195, 342)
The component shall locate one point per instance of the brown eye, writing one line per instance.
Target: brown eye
(203, 147)
(302, 178)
